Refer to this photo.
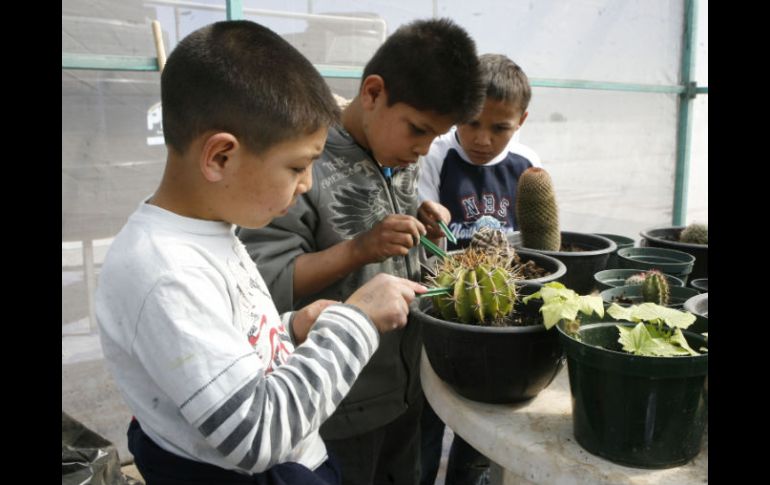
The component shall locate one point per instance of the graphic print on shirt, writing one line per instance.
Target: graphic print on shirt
(257, 315)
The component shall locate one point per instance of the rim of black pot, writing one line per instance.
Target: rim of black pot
(606, 272)
(680, 257)
(648, 234)
(627, 363)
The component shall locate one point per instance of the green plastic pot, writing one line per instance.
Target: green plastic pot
(678, 295)
(668, 261)
(621, 242)
(638, 411)
(668, 237)
(700, 284)
(611, 278)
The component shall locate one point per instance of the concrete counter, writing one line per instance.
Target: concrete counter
(533, 442)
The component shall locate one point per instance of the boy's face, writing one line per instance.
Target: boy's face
(486, 136)
(264, 186)
(397, 135)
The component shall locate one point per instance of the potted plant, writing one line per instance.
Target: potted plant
(537, 215)
(481, 338)
(649, 286)
(612, 278)
(638, 388)
(692, 239)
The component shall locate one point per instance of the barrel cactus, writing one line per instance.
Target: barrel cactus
(695, 234)
(483, 289)
(655, 288)
(537, 214)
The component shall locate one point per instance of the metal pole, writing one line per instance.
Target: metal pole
(234, 10)
(684, 127)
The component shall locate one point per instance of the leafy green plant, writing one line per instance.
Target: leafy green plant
(561, 303)
(658, 331)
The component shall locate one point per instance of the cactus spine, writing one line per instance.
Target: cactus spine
(655, 288)
(483, 289)
(695, 234)
(536, 211)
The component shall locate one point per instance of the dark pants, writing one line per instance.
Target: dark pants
(386, 455)
(466, 466)
(160, 467)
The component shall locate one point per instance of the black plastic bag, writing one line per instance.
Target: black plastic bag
(86, 457)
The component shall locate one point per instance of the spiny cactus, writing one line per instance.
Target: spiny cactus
(493, 241)
(635, 279)
(655, 288)
(483, 289)
(695, 234)
(536, 211)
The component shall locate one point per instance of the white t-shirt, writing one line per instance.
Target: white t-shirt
(201, 356)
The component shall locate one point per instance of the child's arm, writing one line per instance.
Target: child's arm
(393, 236)
(429, 214)
(253, 416)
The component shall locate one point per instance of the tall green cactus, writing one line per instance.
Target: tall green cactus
(537, 214)
(483, 289)
(655, 288)
(695, 234)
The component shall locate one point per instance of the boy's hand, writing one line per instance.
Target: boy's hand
(306, 317)
(392, 236)
(385, 298)
(429, 214)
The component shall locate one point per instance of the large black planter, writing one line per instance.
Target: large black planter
(496, 365)
(548, 263)
(582, 265)
(668, 237)
(647, 412)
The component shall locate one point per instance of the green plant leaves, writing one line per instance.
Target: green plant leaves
(644, 340)
(652, 313)
(559, 302)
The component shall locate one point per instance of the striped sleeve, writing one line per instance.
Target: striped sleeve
(271, 413)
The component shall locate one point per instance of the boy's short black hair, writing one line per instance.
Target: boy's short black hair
(431, 65)
(242, 78)
(505, 80)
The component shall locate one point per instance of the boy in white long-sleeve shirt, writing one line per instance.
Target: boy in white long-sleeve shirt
(189, 330)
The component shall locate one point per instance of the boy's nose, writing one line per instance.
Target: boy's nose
(305, 182)
(482, 138)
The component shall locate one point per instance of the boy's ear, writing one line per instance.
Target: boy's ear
(372, 88)
(217, 155)
(523, 118)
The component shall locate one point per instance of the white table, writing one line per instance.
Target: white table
(534, 443)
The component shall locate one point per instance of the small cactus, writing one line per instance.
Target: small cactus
(636, 279)
(655, 288)
(483, 288)
(493, 242)
(537, 214)
(695, 234)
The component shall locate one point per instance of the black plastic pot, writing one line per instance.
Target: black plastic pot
(612, 278)
(668, 237)
(700, 284)
(582, 265)
(496, 365)
(669, 261)
(678, 295)
(698, 305)
(646, 412)
(548, 263)
(621, 242)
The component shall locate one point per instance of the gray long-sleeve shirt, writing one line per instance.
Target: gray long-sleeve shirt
(349, 196)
